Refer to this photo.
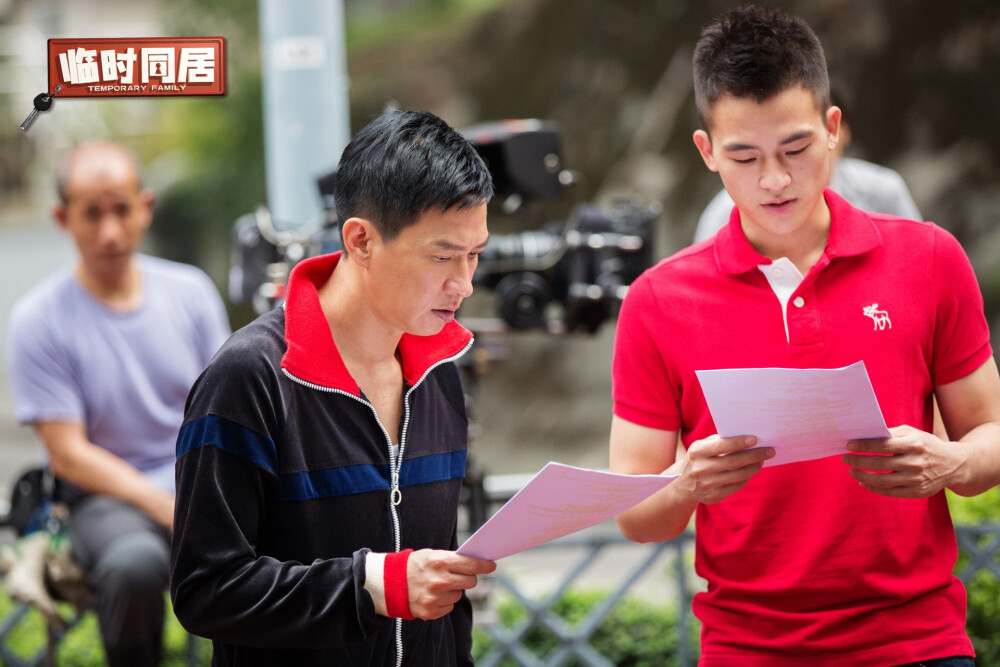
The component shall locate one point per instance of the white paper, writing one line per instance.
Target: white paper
(804, 414)
(557, 501)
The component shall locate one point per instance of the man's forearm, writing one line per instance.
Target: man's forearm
(662, 516)
(980, 470)
(97, 470)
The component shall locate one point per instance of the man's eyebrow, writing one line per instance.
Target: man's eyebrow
(448, 246)
(737, 147)
(803, 134)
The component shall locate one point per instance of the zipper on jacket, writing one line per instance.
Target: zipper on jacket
(395, 462)
(395, 496)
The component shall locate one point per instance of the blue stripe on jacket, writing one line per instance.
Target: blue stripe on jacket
(346, 480)
(229, 437)
(341, 481)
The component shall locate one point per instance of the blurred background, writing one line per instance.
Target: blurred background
(919, 80)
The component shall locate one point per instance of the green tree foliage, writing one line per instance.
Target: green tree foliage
(212, 147)
(220, 145)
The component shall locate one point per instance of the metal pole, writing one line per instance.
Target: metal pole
(306, 111)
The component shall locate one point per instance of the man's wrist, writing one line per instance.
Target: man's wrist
(397, 591)
(374, 584)
(386, 582)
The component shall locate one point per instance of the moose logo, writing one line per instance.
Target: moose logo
(879, 317)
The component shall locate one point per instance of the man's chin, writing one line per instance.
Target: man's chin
(109, 268)
(429, 326)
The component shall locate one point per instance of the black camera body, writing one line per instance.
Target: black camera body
(583, 267)
(568, 276)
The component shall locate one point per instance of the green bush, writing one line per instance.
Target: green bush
(981, 621)
(636, 633)
(977, 510)
(82, 647)
(983, 587)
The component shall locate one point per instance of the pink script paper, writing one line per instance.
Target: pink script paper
(559, 500)
(804, 413)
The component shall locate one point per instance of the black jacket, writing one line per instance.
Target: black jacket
(283, 486)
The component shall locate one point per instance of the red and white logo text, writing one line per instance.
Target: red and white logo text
(138, 67)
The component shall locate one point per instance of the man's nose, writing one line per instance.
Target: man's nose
(776, 176)
(460, 282)
(110, 229)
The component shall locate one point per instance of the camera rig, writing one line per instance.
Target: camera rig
(568, 276)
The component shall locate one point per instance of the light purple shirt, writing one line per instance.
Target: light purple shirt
(126, 376)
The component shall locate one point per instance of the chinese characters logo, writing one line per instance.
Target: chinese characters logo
(138, 67)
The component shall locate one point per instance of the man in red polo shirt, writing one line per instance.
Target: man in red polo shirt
(838, 561)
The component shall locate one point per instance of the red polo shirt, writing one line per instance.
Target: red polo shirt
(803, 562)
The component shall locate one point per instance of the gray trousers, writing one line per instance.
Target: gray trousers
(126, 556)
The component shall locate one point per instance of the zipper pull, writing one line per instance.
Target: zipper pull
(396, 496)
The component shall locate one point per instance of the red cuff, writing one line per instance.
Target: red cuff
(397, 600)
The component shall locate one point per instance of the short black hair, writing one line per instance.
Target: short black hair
(403, 164)
(758, 53)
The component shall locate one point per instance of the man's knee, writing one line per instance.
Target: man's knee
(133, 562)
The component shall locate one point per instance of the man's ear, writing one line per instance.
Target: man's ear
(833, 116)
(359, 234)
(704, 144)
(148, 198)
(59, 215)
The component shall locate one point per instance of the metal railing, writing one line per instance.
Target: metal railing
(510, 644)
(979, 546)
(574, 640)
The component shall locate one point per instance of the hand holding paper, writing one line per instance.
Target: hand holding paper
(920, 464)
(559, 500)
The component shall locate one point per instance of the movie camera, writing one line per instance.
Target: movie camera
(568, 276)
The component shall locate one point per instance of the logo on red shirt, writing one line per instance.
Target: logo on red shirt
(879, 317)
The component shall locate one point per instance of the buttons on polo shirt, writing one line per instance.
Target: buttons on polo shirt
(805, 326)
(784, 278)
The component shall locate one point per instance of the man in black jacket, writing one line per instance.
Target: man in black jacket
(323, 449)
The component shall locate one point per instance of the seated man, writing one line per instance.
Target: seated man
(102, 357)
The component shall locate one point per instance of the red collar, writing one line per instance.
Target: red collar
(852, 232)
(312, 353)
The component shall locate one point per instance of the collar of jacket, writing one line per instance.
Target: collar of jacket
(312, 353)
(852, 232)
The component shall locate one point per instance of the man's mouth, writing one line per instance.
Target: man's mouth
(779, 204)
